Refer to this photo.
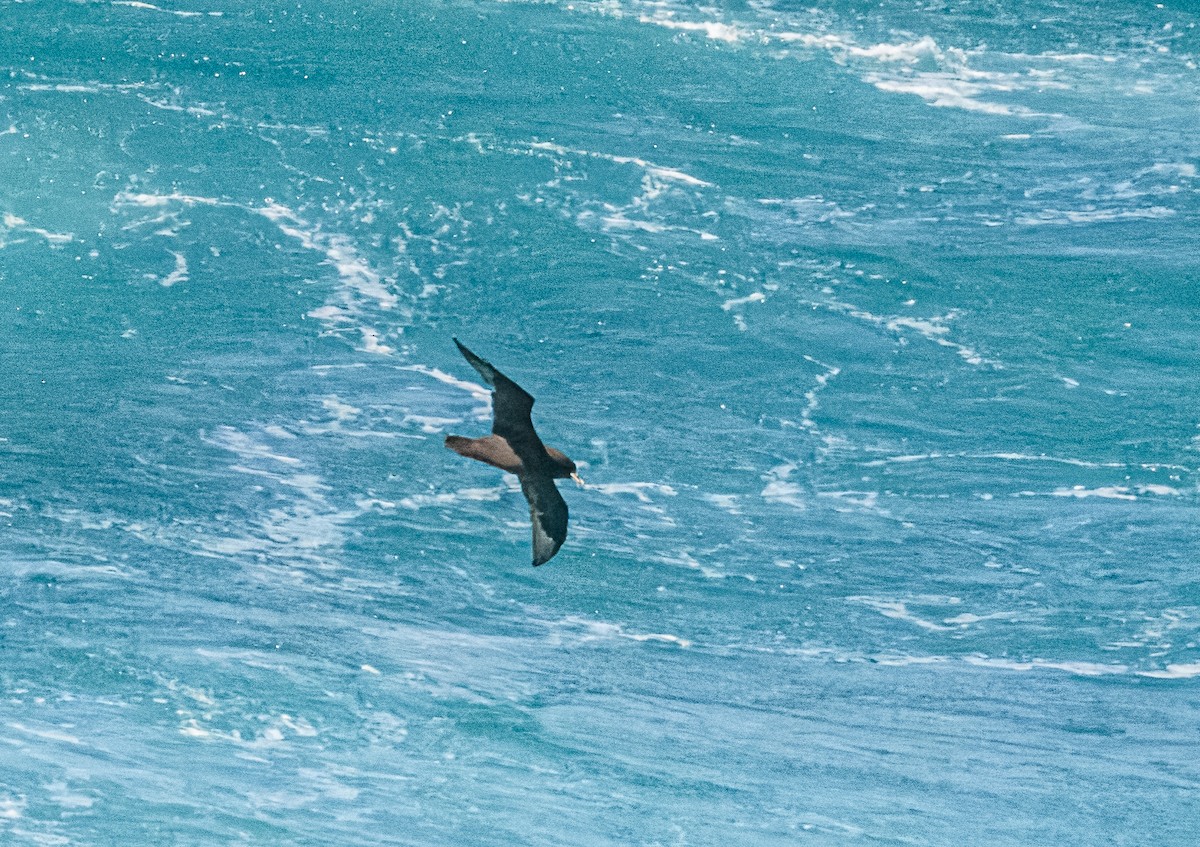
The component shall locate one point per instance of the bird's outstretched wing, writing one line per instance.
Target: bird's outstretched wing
(547, 512)
(511, 406)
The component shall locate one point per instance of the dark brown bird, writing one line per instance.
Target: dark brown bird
(514, 446)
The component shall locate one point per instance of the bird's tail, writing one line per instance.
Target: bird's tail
(491, 450)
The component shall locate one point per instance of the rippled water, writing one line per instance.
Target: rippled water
(873, 327)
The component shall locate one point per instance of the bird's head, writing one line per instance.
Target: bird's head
(564, 468)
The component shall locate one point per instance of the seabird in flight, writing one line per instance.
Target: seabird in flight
(514, 446)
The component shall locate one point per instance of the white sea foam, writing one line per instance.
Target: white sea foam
(756, 297)
(430, 424)
(617, 220)
(590, 630)
(714, 30)
(812, 396)
(341, 411)
(968, 618)
(1023, 457)
(1079, 668)
(1117, 492)
(475, 389)
(931, 328)
(807, 210)
(898, 610)
(362, 287)
(1107, 492)
(167, 105)
(901, 661)
(863, 499)
(19, 224)
(1159, 490)
(637, 489)
(945, 91)
(904, 459)
(148, 200)
(62, 88)
(300, 524)
(1183, 170)
(64, 571)
(903, 68)
(61, 793)
(339, 252)
(1175, 671)
(180, 274)
(1062, 217)
(788, 493)
(908, 52)
(655, 172)
(685, 559)
(419, 501)
(243, 445)
(727, 502)
(371, 342)
(46, 734)
(998, 663)
(622, 220)
(150, 7)
(191, 728)
(934, 330)
(331, 314)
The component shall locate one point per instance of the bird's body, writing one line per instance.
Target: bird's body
(514, 446)
(495, 450)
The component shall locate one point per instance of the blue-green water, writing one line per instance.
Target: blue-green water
(875, 329)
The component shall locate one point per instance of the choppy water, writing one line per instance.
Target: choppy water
(876, 326)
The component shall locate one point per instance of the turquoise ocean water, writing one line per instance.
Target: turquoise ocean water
(875, 328)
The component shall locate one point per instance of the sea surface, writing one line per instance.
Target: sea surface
(874, 328)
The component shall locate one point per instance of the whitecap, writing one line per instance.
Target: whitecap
(150, 7)
(1175, 671)
(637, 489)
(1064, 217)
(19, 224)
(46, 734)
(341, 411)
(475, 389)
(756, 297)
(243, 445)
(419, 501)
(898, 610)
(180, 274)
(1080, 668)
(784, 492)
(602, 630)
(339, 252)
(1107, 492)
(727, 502)
(714, 30)
(862, 499)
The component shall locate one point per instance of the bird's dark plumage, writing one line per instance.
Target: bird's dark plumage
(514, 446)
